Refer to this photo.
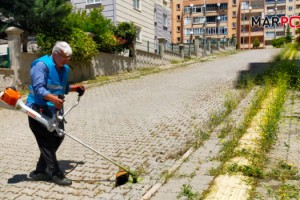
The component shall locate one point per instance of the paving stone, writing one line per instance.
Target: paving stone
(24, 197)
(138, 121)
(28, 191)
(11, 195)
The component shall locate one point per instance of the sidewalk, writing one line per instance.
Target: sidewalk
(145, 123)
(193, 177)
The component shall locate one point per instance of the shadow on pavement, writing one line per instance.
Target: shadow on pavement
(65, 165)
(18, 178)
(69, 165)
(254, 69)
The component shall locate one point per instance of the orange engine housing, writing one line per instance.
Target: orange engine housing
(10, 96)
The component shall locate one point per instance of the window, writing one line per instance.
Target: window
(137, 4)
(208, 31)
(233, 13)
(245, 5)
(213, 30)
(223, 30)
(187, 31)
(198, 31)
(290, 0)
(270, 34)
(233, 24)
(165, 20)
(92, 1)
(223, 18)
(234, 2)
(178, 6)
(178, 39)
(290, 8)
(178, 17)
(187, 21)
(197, 9)
(138, 34)
(178, 28)
(214, 7)
(198, 20)
(155, 15)
(186, 9)
(211, 19)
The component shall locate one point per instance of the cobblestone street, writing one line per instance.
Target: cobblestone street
(143, 123)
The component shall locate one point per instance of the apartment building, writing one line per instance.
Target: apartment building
(152, 18)
(246, 34)
(214, 19)
(280, 8)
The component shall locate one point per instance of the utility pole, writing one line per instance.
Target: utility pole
(243, 25)
(275, 8)
(250, 8)
(218, 20)
(191, 32)
(204, 31)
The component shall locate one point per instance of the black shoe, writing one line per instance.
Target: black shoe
(60, 179)
(39, 176)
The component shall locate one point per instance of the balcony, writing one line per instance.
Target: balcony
(257, 33)
(279, 2)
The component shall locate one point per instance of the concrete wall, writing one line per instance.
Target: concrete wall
(102, 64)
(6, 78)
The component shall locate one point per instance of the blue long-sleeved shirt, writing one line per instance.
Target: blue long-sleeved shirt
(39, 73)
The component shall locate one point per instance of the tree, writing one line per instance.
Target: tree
(96, 23)
(288, 36)
(125, 33)
(256, 43)
(35, 16)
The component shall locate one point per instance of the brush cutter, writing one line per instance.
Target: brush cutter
(11, 99)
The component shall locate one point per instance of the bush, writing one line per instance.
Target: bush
(279, 42)
(256, 43)
(125, 33)
(96, 23)
(84, 48)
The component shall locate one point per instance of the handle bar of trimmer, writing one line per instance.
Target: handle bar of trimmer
(77, 102)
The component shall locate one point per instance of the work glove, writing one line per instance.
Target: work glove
(80, 89)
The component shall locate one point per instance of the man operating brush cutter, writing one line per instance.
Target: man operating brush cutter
(44, 106)
(11, 99)
(49, 78)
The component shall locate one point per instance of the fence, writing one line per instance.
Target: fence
(211, 45)
(102, 64)
(147, 46)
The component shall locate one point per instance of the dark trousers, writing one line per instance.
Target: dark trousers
(48, 143)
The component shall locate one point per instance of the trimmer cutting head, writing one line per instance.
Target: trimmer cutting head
(122, 177)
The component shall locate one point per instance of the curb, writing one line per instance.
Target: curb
(158, 185)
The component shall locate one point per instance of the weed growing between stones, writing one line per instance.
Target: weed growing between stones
(283, 171)
(278, 76)
(186, 191)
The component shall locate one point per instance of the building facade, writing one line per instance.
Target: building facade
(280, 8)
(151, 18)
(214, 19)
(227, 19)
(246, 34)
